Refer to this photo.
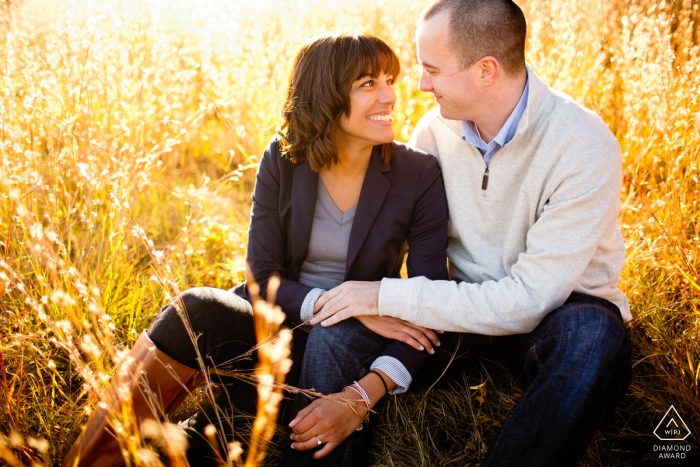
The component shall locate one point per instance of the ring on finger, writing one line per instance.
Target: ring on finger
(318, 440)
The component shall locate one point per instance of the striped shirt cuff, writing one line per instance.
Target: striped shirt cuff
(307, 307)
(395, 370)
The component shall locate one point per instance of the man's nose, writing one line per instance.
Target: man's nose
(426, 83)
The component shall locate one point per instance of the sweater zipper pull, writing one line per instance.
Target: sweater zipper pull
(485, 180)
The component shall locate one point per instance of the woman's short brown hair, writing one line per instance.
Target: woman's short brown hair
(318, 93)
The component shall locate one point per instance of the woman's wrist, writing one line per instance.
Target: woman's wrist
(375, 387)
(362, 395)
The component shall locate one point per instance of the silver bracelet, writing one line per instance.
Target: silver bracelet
(360, 390)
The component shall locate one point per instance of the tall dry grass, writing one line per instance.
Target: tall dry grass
(129, 134)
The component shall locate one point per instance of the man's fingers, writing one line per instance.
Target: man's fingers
(336, 318)
(327, 448)
(329, 311)
(327, 297)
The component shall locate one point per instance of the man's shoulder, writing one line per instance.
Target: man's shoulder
(558, 113)
(437, 124)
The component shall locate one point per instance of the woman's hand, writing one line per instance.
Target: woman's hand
(328, 420)
(394, 328)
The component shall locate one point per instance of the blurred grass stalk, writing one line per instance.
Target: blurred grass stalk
(129, 135)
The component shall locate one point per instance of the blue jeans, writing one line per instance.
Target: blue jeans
(334, 358)
(576, 365)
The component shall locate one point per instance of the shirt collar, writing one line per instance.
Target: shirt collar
(471, 135)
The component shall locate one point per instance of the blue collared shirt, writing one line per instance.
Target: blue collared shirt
(471, 135)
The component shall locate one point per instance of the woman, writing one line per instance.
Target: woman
(335, 199)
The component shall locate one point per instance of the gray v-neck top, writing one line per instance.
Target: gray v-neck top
(324, 267)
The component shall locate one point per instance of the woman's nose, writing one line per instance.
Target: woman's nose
(388, 95)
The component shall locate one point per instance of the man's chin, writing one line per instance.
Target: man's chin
(448, 114)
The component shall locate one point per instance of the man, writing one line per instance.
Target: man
(533, 183)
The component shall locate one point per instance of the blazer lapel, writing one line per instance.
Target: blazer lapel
(374, 190)
(304, 192)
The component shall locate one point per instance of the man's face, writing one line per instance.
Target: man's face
(456, 89)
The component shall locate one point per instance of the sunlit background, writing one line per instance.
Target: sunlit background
(129, 136)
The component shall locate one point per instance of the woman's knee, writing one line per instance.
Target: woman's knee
(340, 353)
(348, 334)
(204, 309)
(213, 318)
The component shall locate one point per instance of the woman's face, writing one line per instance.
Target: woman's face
(372, 100)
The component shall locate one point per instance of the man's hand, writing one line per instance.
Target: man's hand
(328, 420)
(394, 328)
(345, 301)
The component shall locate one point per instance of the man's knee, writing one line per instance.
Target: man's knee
(586, 339)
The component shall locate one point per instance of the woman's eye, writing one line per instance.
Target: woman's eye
(367, 84)
(390, 81)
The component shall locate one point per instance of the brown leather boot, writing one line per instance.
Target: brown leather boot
(157, 384)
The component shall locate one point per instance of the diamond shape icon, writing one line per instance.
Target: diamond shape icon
(672, 427)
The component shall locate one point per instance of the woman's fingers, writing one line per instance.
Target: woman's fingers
(306, 444)
(302, 421)
(325, 450)
(429, 333)
(417, 339)
(313, 443)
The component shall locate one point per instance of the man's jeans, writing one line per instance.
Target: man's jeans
(576, 365)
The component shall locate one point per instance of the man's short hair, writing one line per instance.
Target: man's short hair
(480, 28)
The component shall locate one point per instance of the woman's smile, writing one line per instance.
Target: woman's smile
(369, 122)
(382, 119)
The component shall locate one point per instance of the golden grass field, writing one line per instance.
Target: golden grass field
(129, 135)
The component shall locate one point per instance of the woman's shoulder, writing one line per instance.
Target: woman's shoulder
(272, 156)
(411, 158)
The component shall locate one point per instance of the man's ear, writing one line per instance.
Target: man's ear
(490, 69)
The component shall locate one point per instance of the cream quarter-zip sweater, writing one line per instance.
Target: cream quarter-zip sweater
(546, 224)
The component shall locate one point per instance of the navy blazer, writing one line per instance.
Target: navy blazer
(401, 202)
